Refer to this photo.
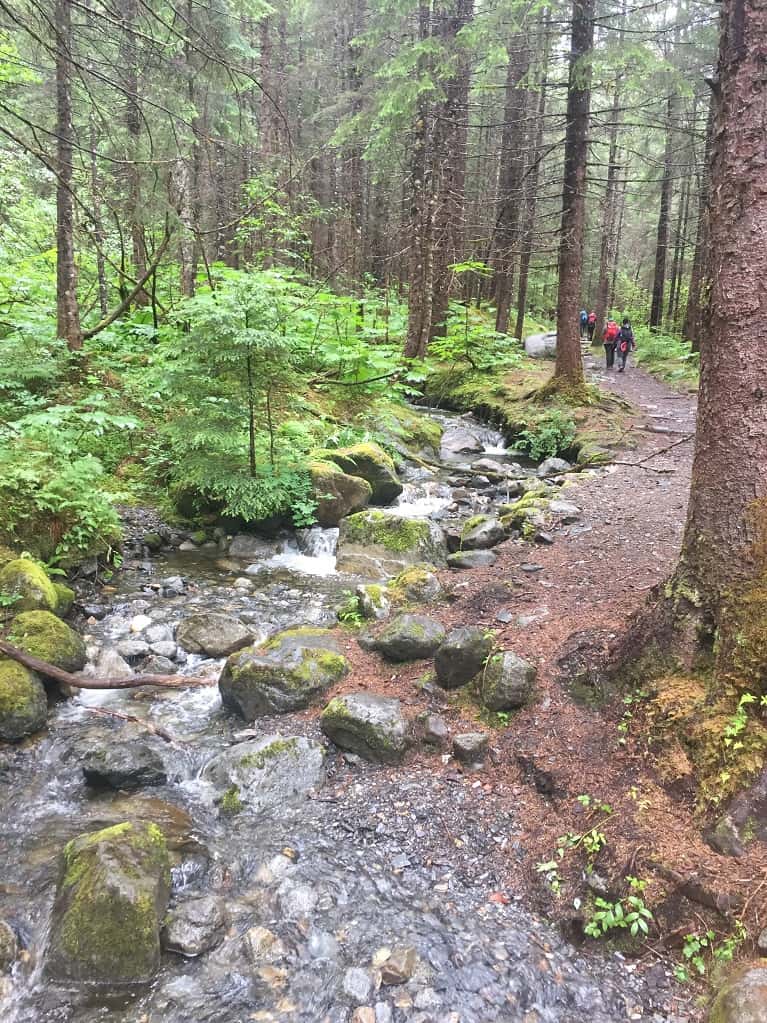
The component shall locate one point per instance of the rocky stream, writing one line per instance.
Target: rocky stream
(308, 882)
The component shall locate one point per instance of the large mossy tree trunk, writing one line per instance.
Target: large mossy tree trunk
(568, 373)
(67, 309)
(715, 604)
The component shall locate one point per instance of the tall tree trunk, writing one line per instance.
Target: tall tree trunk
(608, 245)
(717, 599)
(661, 245)
(98, 221)
(129, 56)
(510, 179)
(679, 234)
(67, 310)
(568, 372)
(698, 293)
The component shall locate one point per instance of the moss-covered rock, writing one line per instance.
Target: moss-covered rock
(408, 431)
(65, 596)
(462, 656)
(269, 772)
(283, 675)
(43, 635)
(337, 493)
(529, 510)
(373, 464)
(110, 904)
(29, 582)
(23, 705)
(416, 585)
(373, 601)
(380, 544)
(409, 638)
(507, 681)
(743, 999)
(369, 725)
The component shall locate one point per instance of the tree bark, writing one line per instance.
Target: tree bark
(129, 56)
(661, 246)
(608, 246)
(67, 310)
(697, 297)
(568, 372)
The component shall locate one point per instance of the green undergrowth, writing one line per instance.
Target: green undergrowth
(667, 357)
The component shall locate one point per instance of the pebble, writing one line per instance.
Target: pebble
(504, 616)
(470, 747)
(357, 984)
(399, 967)
(528, 567)
(140, 622)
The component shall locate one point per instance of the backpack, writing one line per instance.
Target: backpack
(626, 335)
(592, 317)
(612, 331)
(584, 316)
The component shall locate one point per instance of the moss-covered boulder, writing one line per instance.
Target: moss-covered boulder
(110, 905)
(743, 999)
(65, 596)
(462, 656)
(409, 638)
(43, 635)
(507, 681)
(373, 601)
(23, 705)
(269, 772)
(29, 582)
(282, 675)
(481, 532)
(380, 544)
(373, 464)
(416, 585)
(369, 725)
(337, 494)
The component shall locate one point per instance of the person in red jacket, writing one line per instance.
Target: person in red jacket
(591, 324)
(610, 340)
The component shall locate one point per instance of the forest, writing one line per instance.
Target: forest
(382, 511)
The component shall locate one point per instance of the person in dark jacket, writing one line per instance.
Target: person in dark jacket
(626, 343)
(610, 341)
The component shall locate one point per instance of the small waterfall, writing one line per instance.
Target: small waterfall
(420, 500)
(312, 552)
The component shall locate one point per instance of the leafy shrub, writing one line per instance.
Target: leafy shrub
(551, 434)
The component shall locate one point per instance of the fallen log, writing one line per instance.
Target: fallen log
(78, 682)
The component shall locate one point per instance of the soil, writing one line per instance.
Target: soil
(567, 744)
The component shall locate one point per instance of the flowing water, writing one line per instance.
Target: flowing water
(380, 858)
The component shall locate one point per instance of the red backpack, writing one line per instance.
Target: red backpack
(612, 331)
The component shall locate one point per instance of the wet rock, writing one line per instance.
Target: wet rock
(110, 903)
(336, 493)
(471, 559)
(565, 511)
(490, 467)
(481, 533)
(460, 441)
(251, 548)
(158, 634)
(187, 545)
(97, 611)
(284, 674)
(109, 664)
(379, 544)
(370, 462)
(167, 648)
(507, 681)
(9, 946)
(399, 967)
(140, 622)
(543, 537)
(743, 999)
(132, 649)
(157, 665)
(26, 580)
(409, 638)
(322, 945)
(126, 761)
(216, 635)
(262, 945)
(173, 586)
(195, 926)
(370, 725)
(470, 747)
(23, 704)
(297, 901)
(435, 730)
(541, 346)
(269, 772)
(373, 601)
(364, 1014)
(416, 585)
(461, 656)
(553, 467)
(43, 635)
(357, 985)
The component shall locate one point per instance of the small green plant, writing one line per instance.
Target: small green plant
(550, 871)
(502, 717)
(629, 913)
(699, 949)
(349, 612)
(630, 701)
(552, 434)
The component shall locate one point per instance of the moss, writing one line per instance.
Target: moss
(65, 597)
(515, 515)
(472, 523)
(336, 712)
(389, 531)
(324, 662)
(29, 581)
(43, 635)
(260, 759)
(231, 804)
(23, 705)
(376, 594)
(349, 459)
(199, 536)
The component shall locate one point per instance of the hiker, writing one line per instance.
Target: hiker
(592, 323)
(584, 323)
(610, 340)
(626, 343)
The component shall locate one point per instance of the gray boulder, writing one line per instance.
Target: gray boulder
(369, 725)
(284, 674)
(482, 534)
(158, 665)
(744, 819)
(269, 772)
(379, 544)
(541, 346)
(373, 601)
(250, 548)
(127, 760)
(336, 493)
(194, 927)
(435, 730)
(462, 656)
(409, 638)
(507, 681)
(471, 559)
(470, 747)
(416, 585)
(743, 999)
(214, 634)
(565, 511)
(110, 904)
(553, 467)
(460, 441)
